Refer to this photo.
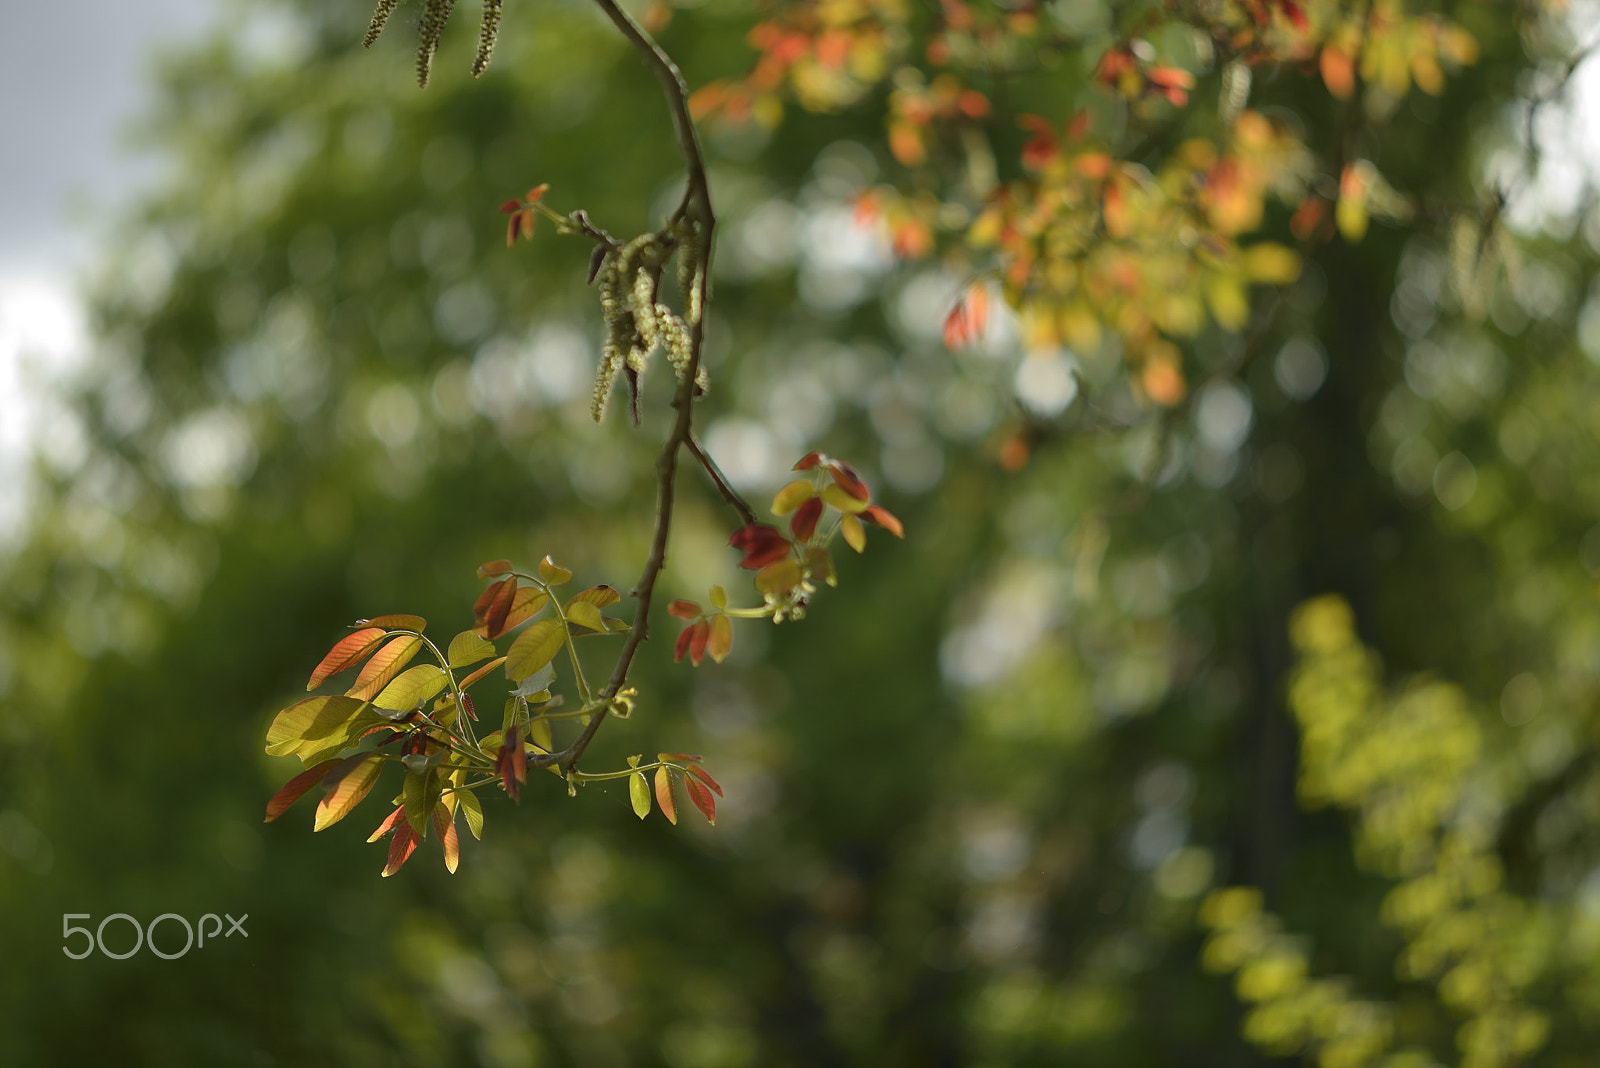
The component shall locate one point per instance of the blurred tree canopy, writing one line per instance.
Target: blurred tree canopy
(1232, 699)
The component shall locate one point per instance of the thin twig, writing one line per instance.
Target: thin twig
(729, 494)
(694, 210)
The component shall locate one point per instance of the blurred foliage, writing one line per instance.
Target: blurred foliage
(979, 801)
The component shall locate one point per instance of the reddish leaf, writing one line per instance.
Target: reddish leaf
(669, 807)
(687, 758)
(499, 608)
(705, 776)
(480, 607)
(511, 763)
(510, 207)
(810, 460)
(395, 622)
(701, 632)
(684, 610)
(384, 666)
(295, 788)
(537, 192)
(845, 477)
(968, 318)
(388, 824)
(804, 523)
(761, 545)
(347, 653)
(702, 799)
(884, 518)
(445, 827)
(682, 646)
(528, 602)
(493, 568)
(481, 672)
(401, 847)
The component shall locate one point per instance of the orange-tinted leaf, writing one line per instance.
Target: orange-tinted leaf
(494, 567)
(761, 545)
(804, 523)
(526, 603)
(681, 647)
(854, 536)
(481, 672)
(968, 318)
(511, 763)
(534, 648)
(600, 596)
(699, 634)
(687, 758)
(684, 609)
(346, 653)
(845, 477)
(669, 807)
(810, 460)
(702, 799)
(498, 609)
(396, 622)
(348, 792)
(537, 192)
(445, 828)
(401, 847)
(384, 666)
(705, 776)
(295, 788)
(884, 518)
(1338, 72)
(553, 573)
(480, 607)
(388, 824)
(509, 207)
(720, 640)
(793, 496)
(781, 576)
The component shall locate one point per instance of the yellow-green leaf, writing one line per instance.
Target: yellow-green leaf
(314, 725)
(854, 535)
(421, 796)
(420, 683)
(533, 649)
(780, 576)
(793, 496)
(820, 564)
(539, 734)
(639, 794)
(468, 648)
(348, 792)
(585, 614)
(1271, 264)
(599, 596)
(719, 598)
(838, 498)
(721, 638)
(1230, 306)
(385, 664)
(474, 812)
(552, 573)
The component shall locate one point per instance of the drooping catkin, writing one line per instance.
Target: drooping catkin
(486, 36)
(380, 17)
(435, 14)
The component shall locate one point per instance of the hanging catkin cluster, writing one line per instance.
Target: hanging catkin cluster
(435, 13)
(636, 322)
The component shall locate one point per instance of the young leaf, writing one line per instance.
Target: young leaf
(401, 847)
(719, 598)
(552, 573)
(414, 684)
(400, 622)
(584, 614)
(854, 536)
(314, 723)
(669, 807)
(702, 799)
(720, 640)
(480, 607)
(705, 776)
(777, 579)
(761, 545)
(474, 812)
(498, 610)
(295, 788)
(348, 652)
(467, 648)
(845, 477)
(639, 794)
(539, 735)
(481, 672)
(810, 460)
(820, 564)
(843, 501)
(804, 523)
(494, 567)
(348, 792)
(885, 519)
(384, 665)
(445, 828)
(533, 649)
(388, 824)
(421, 794)
(793, 496)
(600, 596)
(684, 609)
(526, 603)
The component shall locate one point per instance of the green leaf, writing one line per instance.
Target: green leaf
(421, 794)
(467, 648)
(639, 794)
(318, 727)
(395, 622)
(420, 683)
(384, 665)
(348, 792)
(600, 596)
(552, 573)
(533, 649)
(585, 614)
(474, 812)
(539, 735)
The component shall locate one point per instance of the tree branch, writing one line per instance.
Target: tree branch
(729, 494)
(695, 210)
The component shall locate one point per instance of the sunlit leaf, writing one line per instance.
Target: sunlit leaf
(616, 626)
(585, 614)
(843, 501)
(494, 567)
(415, 684)
(702, 799)
(497, 611)
(705, 776)
(468, 648)
(401, 847)
(539, 734)
(552, 573)
(534, 648)
(472, 808)
(318, 727)
(481, 672)
(385, 664)
(669, 807)
(396, 622)
(526, 603)
(1270, 264)
(348, 652)
(600, 596)
(348, 792)
(295, 788)
(421, 794)
(445, 827)
(810, 460)
(854, 535)
(720, 639)
(793, 496)
(390, 822)
(639, 794)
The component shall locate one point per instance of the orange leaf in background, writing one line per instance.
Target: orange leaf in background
(972, 104)
(1041, 147)
(384, 666)
(705, 776)
(833, 48)
(702, 799)
(1014, 453)
(1338, 72)
(968, 318)
(1308, 217)
(804, 523)
(669, 807)
(295, 788)
(400, 848)
(884, 518)
(346, 653)
(1163, 382)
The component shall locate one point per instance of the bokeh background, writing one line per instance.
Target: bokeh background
(979, 801)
